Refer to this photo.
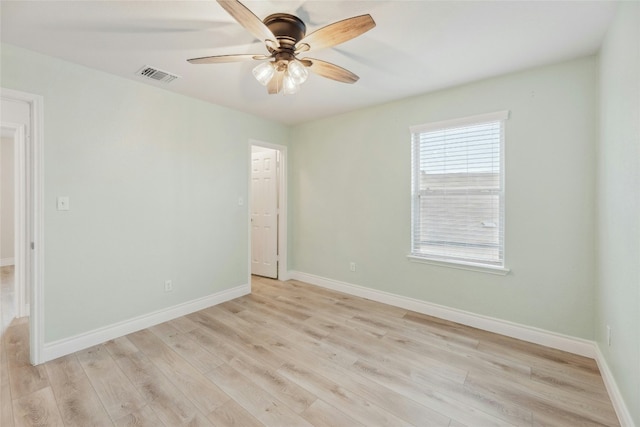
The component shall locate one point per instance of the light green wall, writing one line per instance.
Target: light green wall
(350, 198)
(153, 180)
(618, 292)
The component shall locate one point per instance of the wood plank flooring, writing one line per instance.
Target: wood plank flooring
(292, 354)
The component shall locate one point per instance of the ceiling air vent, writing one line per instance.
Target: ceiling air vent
(156, 74)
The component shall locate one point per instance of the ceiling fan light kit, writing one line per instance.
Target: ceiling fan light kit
(297, 72)
(294, 74)
(285, 37)
(264, 72)
(289, 87)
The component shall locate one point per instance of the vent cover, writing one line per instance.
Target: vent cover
(156, 74)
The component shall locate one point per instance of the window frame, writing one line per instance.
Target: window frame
(459, 262)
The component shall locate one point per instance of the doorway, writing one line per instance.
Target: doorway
(267, 210)
(13, 204)
(21, 126)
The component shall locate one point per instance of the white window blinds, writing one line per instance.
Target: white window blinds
(458, 190)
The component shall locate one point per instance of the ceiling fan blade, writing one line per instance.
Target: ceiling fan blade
(330, 71)
(219, 59)
(275, 85)
(338, 32)
(248, 20)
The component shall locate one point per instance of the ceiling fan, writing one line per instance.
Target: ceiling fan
(285, 37)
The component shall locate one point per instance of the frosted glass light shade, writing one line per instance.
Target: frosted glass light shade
(264, 72)
(298, 72)
(289, 85)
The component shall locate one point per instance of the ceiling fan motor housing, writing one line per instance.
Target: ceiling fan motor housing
(288, 29)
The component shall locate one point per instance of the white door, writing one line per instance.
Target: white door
(264, 212)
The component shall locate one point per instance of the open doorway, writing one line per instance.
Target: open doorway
(13, 191)
(21, 126)
(267, 210)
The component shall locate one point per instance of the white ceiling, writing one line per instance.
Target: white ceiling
(416, 47)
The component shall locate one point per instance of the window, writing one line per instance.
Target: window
(458, 191)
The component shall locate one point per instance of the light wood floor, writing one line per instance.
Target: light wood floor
(292, 354)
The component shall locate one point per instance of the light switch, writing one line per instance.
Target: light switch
(63, 203)
(240, 201)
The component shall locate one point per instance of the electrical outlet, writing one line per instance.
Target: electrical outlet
(609, 335)
(168, 286)
(352, 266)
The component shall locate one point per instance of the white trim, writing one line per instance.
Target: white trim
(36, 300)
(21, 220)
(500, 271)
(5, 262)
(70, 345)
(283, 270)
(462, 121)
(622, 411)
(515, 330)
(34, 175)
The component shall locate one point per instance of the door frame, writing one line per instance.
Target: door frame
(283, 271)
(32, 233)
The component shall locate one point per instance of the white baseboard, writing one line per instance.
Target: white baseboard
(284, 276)
(622, 411)
(5, 262)
(515, 330)
(65, 346)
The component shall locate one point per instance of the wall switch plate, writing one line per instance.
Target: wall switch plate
(62, 203)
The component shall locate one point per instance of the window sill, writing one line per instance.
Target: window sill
(500, 271)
